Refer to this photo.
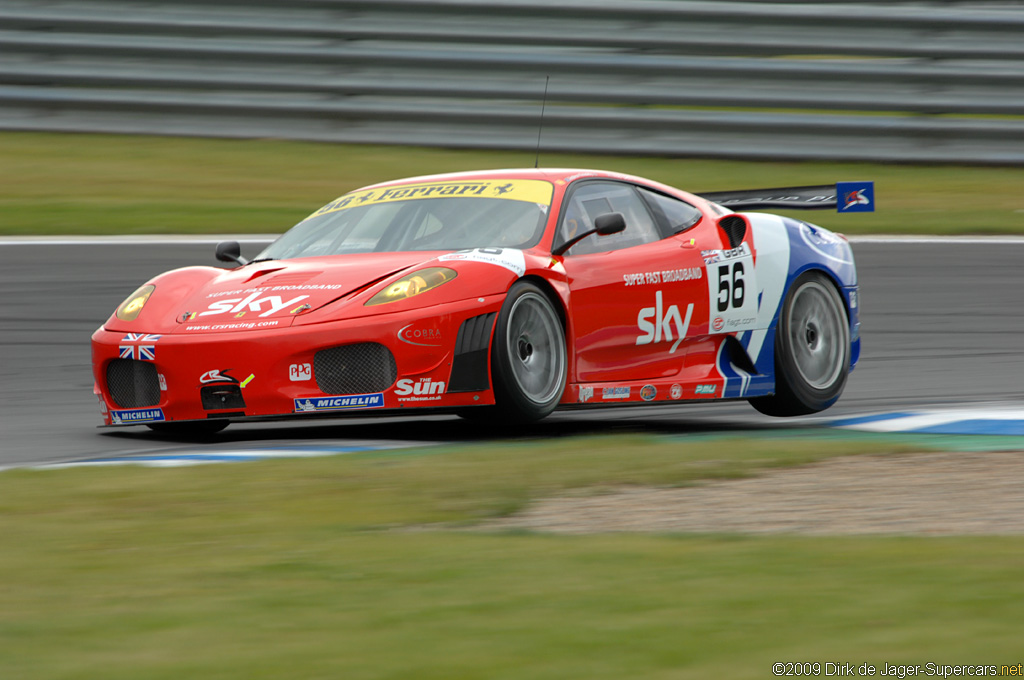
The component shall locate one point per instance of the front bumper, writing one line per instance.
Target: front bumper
(271, 372)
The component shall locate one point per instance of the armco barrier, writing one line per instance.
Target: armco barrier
(923, 82)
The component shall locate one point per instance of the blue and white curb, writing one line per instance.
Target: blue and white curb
(204, 456)
(993, 420)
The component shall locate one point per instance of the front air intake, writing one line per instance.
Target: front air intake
(355, 369)
(132, 383)
(216, 397)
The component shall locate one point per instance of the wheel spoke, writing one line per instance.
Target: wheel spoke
(535, 350)
(816, 335)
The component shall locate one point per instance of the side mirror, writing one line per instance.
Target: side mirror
(604, 225)
(230, 251)
(610, 223)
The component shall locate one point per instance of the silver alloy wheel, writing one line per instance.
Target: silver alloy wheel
(536, 348)
(818, 335)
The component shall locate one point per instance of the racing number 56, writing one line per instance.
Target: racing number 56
(730, 286)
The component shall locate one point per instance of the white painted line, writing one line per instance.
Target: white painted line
(905, 424)
(111, 463)
(984, 419)
(956, 241)
(161, 239)
(181, 457)
(183, 239)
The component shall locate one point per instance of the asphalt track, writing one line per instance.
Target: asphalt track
(942, 325)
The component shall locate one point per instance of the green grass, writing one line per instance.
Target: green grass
(106, 184)
(300, 569)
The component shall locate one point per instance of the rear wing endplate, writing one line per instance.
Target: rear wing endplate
(845, 197)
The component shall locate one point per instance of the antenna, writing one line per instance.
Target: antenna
(540, 128)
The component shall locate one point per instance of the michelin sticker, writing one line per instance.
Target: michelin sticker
(136, 415)
(509, 258)
(345, 403)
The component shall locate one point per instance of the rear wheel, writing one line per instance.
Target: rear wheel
(812, 350)
(528, 355)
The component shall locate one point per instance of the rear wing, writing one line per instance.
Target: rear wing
(845, 197)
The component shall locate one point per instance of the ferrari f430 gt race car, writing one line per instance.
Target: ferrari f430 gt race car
(503, 294)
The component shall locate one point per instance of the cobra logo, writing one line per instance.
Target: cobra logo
(423, 337)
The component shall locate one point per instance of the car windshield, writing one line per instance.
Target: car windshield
(436, 216)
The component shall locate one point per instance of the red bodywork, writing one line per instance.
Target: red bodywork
(260, 326)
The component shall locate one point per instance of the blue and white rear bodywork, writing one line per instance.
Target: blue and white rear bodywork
(786, 248)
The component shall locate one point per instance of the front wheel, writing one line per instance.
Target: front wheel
(528, 355)
(812, 350)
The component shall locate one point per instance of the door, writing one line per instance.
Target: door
(639, 295)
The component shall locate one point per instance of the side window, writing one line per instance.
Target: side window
(675, 215)
(594, 199)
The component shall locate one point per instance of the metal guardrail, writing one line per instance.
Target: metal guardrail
(924, 82)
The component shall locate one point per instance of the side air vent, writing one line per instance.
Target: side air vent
(738, 356)
(133, 383)
(735, 228)
(469, 367)
(355, 369)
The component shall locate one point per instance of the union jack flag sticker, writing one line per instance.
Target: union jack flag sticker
(136, 349)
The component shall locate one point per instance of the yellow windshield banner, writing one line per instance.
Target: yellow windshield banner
(528, 190)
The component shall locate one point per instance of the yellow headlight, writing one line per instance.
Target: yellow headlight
(131, 307)
(413, 284)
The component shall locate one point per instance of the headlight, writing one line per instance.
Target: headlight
(131, 307)
(413, 284)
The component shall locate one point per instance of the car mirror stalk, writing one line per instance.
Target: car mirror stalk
(604, 225)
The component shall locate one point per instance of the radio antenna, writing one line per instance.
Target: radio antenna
(540, 127)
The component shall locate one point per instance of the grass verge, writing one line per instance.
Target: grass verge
(108, 184)
(294, 569)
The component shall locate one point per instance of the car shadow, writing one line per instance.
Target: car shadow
(452, 429)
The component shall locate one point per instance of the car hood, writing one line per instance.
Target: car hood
(278, 291)
(281, 293)
(261, 295)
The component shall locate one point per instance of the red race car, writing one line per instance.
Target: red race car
(501, 294)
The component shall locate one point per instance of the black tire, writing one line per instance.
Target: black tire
(812, 349)
(528, 355)
(193, 429)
